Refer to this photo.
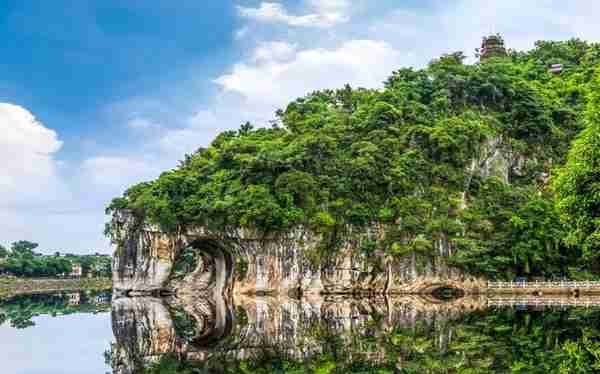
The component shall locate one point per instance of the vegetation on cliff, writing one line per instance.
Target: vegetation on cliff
(452, 156)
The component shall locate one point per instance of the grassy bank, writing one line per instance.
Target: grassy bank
(15, 286)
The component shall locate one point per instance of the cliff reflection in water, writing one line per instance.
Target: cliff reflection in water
(342, 335)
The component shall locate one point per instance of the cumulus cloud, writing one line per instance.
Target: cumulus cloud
(326, 13)
(28, 149)
(117, 172)
(273, 51)
(37, 201)
(270, 82)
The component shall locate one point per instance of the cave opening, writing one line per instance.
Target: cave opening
(205, 265)
(447, 293)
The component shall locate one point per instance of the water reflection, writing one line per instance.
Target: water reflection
(342, 335)
(54, 333)
(20, 310)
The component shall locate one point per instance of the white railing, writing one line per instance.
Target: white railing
(545, 302)
(541, 285)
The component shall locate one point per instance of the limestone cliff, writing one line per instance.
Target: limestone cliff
(243, 261)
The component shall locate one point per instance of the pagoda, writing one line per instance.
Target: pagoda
(492, 46)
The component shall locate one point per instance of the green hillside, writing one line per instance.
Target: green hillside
(473, 156)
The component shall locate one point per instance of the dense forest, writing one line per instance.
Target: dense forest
(499, 159)
(21, 260)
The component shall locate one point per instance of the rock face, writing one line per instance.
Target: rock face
(242, 261)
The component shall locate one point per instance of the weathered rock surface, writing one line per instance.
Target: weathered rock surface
(247, 262)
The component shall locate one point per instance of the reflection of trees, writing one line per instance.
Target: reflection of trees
(491, 341)
(20, 310)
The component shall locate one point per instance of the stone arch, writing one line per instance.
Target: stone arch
(213, 272)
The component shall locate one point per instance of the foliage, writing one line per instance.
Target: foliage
(578, 184)
(3, 252)
(452, 153)
(186, 262)
(184, 323)
(22, 261)
(512, 231)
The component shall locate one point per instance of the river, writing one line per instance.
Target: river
(88, 333)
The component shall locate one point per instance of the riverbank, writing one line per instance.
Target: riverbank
(16, 286)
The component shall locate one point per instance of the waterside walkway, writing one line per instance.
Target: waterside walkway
(543, 288)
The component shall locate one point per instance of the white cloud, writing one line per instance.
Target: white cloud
(37, 202)
(273, 51)
(327, 13)
(117, 171)
(270, 82)
(330, 6)
(199, 131)
(27, 148)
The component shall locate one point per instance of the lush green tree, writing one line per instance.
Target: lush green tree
(577, 184)
(4, 253)
(23, 248)
(22, 261)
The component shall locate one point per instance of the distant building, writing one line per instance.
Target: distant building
(76, 270)
(492, 46)
(556, 68)
(74, 298)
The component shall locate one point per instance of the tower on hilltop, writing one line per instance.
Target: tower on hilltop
(492, 46)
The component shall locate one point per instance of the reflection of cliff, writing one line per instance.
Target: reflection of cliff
(143, 330)
(344, 335)
(212, 333)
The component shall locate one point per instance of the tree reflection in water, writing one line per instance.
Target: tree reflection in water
(344, 335)
(20, 310)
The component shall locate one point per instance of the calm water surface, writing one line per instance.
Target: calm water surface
(55, 334)
(86, 333)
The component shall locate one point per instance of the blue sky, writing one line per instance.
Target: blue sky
(67, 60)
(98, 94)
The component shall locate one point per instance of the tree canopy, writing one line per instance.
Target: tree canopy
(22, 261)
(578, 183)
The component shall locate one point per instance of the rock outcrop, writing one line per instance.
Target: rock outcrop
(243, 261)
